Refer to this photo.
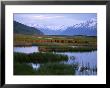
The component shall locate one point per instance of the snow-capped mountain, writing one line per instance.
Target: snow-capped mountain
(50, 30)
(88, 27)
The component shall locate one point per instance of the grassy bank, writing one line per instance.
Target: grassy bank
(49, 64)
(66, 48)
(39, 57)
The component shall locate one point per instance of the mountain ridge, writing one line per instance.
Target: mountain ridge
(88, 28)
(20, 28)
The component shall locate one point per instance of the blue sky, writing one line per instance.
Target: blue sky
(53, 19)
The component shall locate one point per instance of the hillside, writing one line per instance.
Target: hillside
(23, 29)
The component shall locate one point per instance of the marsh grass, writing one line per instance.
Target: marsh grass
(45, 69)
(32, 40)
(55, 69)
(39, 57)
(23, 69)
(66, 49)
(49, 64)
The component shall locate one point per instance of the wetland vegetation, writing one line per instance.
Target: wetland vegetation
(49, 55)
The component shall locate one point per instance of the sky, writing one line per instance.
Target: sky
(51, 20)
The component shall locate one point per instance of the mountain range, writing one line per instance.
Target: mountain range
(88, 28)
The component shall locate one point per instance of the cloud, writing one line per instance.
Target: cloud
(47, 17)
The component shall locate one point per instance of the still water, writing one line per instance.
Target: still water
(27, 50)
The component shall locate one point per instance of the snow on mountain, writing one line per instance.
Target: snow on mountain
(88, 27)
(90, 23)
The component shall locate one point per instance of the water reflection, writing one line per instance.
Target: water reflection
(34, 66)
(27, 50)
(83, 58)
(84, 63)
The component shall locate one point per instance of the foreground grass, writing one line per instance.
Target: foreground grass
(39, 57)
(55, 69)
(23, 69)
(45, 69)
(49, 64)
